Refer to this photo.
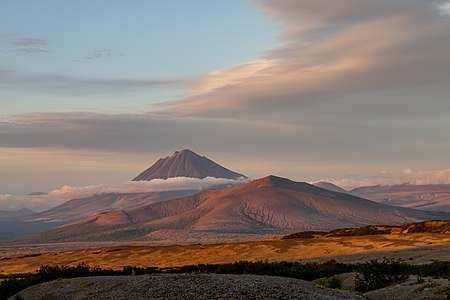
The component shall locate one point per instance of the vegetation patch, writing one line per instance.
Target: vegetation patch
(436, 226)
(372, 275)
(304, 235)
(334, 282)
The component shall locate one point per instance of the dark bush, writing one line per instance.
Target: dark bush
(375, 275)
(372, 275)
(439, 269)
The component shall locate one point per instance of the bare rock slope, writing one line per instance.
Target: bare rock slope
(186, 163)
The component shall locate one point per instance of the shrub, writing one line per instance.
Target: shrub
(374, 275)
(334, 282)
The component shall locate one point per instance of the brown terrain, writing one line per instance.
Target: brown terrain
(419, 247)
(434, 197)
(268, 219)
(264, 207)
(76, 209)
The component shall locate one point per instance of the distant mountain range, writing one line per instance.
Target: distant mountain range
(433, 197)
(6, 214)
(267, 206)
(186, 163)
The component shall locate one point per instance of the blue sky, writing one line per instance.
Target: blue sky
(351, 91)
(165, 42)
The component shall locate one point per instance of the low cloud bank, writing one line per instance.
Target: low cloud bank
(35, 203)
(407, 175)
(56, 197)
(155, 185)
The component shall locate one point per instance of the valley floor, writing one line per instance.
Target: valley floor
(413, 248)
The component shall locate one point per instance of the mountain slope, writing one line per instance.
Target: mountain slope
(271, 205)
(186, 163)
(76, 209)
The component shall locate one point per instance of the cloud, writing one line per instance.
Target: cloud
(102, 53)
(155, 185)
(232, 76)
(330, 51)
(28, 42)
(354, 86)
(32, 50)
(65, 193)
(76, 86)
(35, 203)
(311, 151)
(133, 133)
(445, 8)
(29, 45)
(407, 175)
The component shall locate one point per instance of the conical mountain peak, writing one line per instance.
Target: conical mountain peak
(186, 163)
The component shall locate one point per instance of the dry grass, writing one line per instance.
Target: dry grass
(414, 248)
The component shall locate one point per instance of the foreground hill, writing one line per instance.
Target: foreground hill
(186, 163)
(184, 286)
(267, 206)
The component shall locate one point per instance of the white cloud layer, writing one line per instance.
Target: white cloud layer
(155, 185)
(58, 196)
(407, 175)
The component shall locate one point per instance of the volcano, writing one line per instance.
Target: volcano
(186, 163)
(267, 206)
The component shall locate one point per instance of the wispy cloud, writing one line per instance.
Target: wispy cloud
(76, 86)
(29, 45)
(102, 53)
(28, 42)
(331, 51)
(133, 132)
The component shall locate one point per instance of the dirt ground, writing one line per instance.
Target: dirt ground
(413, 248)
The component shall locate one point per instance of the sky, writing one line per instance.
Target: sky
(351, 91)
